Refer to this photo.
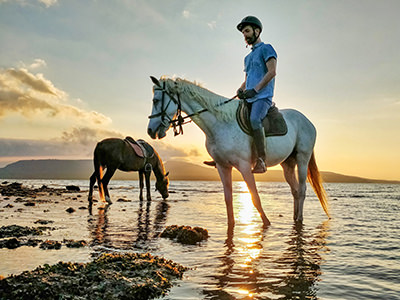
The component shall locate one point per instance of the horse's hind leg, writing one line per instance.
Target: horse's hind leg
(105, 180)
(289, 166)
(147, 177)
(302, 168)
(141, 185)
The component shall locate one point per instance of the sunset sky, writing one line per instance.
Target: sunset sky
(73, 72)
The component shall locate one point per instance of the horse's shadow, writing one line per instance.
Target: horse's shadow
(112, 232)
(291, 275)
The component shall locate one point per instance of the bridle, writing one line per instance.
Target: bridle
(178, 121)
(165, 119)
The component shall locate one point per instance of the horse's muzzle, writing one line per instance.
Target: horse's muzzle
(158, 133)
(151, 133)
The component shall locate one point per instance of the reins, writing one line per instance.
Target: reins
(179, 121)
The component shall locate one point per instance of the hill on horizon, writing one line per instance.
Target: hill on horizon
(83, 169)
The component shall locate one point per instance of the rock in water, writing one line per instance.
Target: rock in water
(70, 210)
(73, 188)
(185, 234)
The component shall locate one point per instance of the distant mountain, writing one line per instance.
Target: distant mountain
(82, 169)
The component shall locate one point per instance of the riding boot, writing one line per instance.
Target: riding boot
(210, 163)
(259, 141)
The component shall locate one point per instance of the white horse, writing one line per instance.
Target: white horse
(230, 147)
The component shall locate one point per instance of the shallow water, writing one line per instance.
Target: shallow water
(355, 255)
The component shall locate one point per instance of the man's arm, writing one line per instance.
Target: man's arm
(271, 67)
(240, 91)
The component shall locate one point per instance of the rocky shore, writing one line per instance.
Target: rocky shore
(111, 275)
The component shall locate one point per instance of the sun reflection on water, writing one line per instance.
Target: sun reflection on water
(248, 234)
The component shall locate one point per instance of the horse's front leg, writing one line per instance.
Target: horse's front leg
(225, 173)
(141, 184)
(147, 177)
(255, 197)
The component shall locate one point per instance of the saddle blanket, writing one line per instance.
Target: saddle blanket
(274, 124)
(141, 148)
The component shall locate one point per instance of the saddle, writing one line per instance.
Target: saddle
(274, 123)
(141, 148)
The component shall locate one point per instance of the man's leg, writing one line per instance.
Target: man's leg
(258, 112)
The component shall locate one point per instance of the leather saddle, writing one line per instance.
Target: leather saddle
(274, 123)
(141, 148)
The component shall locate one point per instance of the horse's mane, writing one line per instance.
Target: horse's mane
(204, 97)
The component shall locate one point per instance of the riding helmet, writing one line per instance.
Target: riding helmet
(249, 20)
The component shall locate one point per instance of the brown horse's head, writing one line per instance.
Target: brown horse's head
(162, 186)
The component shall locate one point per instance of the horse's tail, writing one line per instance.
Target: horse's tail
(315, 180)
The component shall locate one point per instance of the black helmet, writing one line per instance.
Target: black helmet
(249, 20)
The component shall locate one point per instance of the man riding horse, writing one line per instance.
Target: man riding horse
(258, 87)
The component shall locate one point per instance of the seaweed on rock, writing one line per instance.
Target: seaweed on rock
(111, 276)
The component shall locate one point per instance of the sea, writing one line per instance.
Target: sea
(353, 255)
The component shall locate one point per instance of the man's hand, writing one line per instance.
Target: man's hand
(249, 93)
(240, 93)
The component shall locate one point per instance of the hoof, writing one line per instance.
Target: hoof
(266, 225)
(108, 200)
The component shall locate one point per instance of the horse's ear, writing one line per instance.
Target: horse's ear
(155, 81)
(166, 174)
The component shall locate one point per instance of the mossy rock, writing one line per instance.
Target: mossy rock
(18, 231)
(75, 244)
(185, 234)
(111, 276)
(47, 244)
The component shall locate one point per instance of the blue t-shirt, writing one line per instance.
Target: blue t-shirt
(255, 68)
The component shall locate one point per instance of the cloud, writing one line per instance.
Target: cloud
(47, 3)
(51, 148)
(169, 152)
(37, 63)
(186, 14)
(27, 94)
(212, 25)
(21, 79)
(77, 141)
(88, 136)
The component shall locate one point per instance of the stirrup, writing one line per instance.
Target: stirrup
(260, 166)
(210, 163)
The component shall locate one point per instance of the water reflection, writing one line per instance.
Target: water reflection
(117, 229)
(99, 227)
(300, 263)
(254, 265)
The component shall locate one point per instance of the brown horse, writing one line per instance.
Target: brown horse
(114, 153)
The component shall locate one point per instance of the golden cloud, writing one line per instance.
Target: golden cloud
(25, 93)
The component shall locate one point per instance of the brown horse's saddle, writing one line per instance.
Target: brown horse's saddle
(141, 148)
(274, 123)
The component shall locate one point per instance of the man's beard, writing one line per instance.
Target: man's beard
(251, 40)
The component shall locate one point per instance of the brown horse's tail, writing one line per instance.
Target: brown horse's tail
(315, 180)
